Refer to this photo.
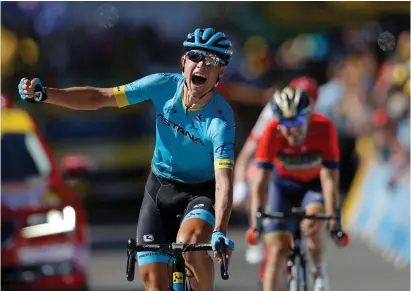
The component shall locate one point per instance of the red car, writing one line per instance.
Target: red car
(44, 243)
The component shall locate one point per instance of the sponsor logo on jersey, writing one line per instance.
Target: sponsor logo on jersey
(307, 160)
(150, 254)
(224, 164)
(222, 117)
(199, 117)
(192, 214)
(170, 110)
(148, 238)
(179, 129)
(172, 77)
(193, 126)
(224, 148)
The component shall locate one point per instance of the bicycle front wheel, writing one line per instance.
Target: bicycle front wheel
(298, 280)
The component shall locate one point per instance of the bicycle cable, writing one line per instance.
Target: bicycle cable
(187, 268)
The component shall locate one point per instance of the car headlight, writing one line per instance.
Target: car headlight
(52, 222)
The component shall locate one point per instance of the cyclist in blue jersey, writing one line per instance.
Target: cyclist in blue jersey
(188, 195)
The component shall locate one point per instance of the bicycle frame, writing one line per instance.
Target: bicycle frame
(299, 272)
(297, 252)
(179, 275)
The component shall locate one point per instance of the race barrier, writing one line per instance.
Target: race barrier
(379, 212)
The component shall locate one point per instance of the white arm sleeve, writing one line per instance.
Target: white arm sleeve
(265, 117)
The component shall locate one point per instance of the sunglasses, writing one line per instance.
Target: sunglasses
(208, 58)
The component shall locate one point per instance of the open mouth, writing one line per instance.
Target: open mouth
(199, 80)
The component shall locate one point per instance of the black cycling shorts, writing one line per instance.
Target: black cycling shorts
(166, 204)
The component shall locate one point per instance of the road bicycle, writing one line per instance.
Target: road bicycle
(297, 262)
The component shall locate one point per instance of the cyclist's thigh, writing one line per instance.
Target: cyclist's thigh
(198, 221)
(313, 200)
(278, 201)
(150, 230)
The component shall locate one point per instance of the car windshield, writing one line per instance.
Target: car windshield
(23, 156)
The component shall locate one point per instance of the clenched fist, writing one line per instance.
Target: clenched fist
(32, 90)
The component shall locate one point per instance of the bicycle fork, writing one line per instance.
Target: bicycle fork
(296, 276)
(296, 265)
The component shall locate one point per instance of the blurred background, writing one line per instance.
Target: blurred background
(359, 52)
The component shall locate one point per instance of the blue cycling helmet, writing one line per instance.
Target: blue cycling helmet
(211, 41)
(291, 106)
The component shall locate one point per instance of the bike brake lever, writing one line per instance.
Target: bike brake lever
(130, 246)
(221, 248)
(260, 227)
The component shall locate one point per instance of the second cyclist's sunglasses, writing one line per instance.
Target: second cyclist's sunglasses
(209, 59)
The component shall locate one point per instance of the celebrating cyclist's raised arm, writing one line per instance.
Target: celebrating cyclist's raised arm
(91, 98)
(224, 150)
(329, 174)
(149, 87)
(81, 98)
(264, 158)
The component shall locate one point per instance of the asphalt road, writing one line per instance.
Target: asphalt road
(353, 268)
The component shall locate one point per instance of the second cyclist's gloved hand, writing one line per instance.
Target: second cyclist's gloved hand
(32, 91)
(254, 233)
(215, 239)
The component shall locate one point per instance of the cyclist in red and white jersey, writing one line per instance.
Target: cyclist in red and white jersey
(301, 148)
(244, 167)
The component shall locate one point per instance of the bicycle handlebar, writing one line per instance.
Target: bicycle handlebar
(300, 214)
(173, 248)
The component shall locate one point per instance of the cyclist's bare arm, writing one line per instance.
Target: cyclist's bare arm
(259, 193)
(330, 182)
(223, 198)
(244, 158)
(330, 174)
(81, 98)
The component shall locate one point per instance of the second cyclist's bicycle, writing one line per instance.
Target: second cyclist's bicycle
(297, 262)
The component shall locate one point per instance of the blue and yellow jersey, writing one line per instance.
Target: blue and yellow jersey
(190, 144)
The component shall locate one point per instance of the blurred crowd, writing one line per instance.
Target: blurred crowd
(368, 99)
(366, 94)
